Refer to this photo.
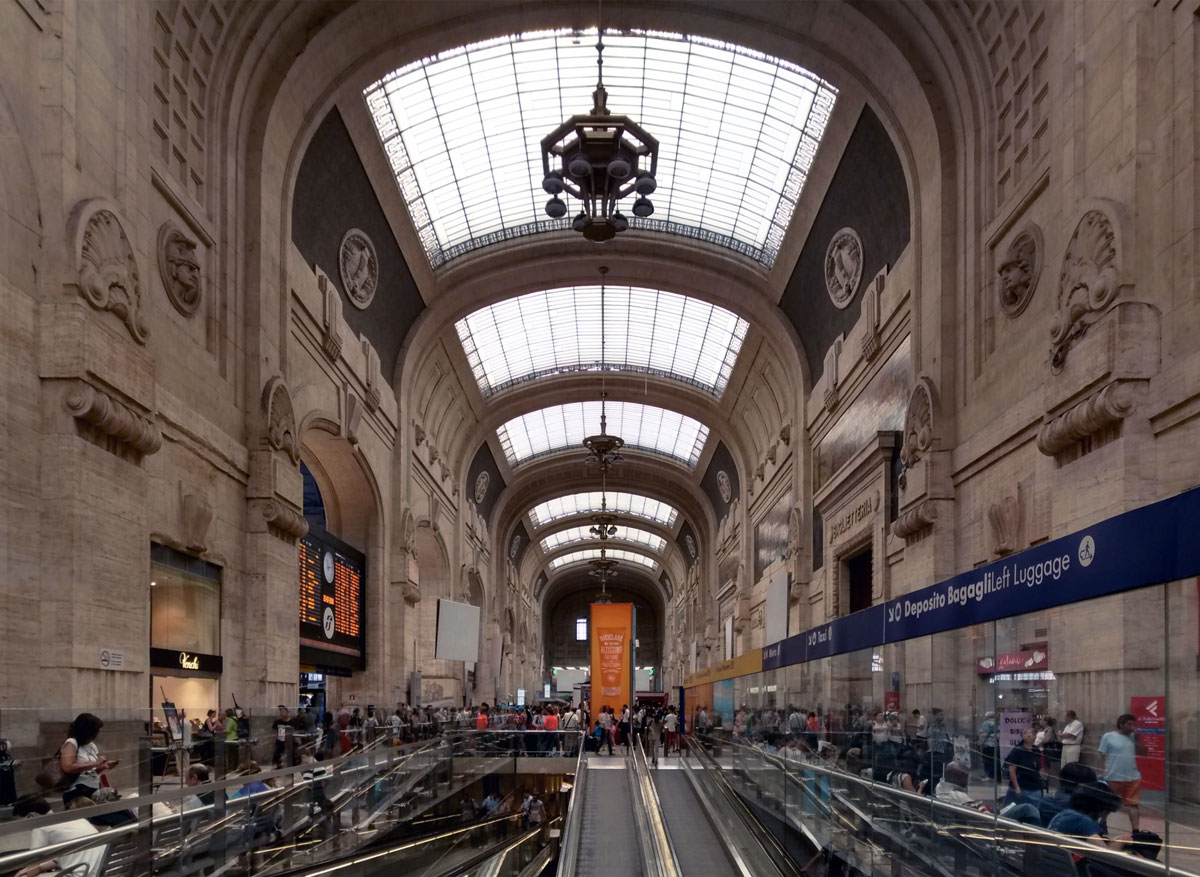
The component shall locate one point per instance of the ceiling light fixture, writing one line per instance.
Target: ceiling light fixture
(599, 158)
(604, 451)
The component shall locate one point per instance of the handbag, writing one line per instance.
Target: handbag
(52, 777)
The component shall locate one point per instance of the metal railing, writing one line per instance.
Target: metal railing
(873, 826)
(298, 821)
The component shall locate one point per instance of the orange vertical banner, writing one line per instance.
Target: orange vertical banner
(612, 656)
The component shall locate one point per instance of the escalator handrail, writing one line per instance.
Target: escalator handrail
(766, 840)
(974, 820)
(658, 852)
(568, 855)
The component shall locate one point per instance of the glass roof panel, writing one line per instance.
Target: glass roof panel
(643, 427)
(738, 129)
(612, 554)
(558, 330)
(632, 504)
(633, 535)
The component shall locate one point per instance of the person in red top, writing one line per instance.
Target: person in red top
(550, 723)
(481, 720)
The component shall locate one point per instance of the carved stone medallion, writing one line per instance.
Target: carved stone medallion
(282, 433)
(1088, 284)
(359, 267)
(481, 486)
(179, 269)
(724, 485)
(514, 547)
(1020, 270)
(843, 266)
(108, 274)
(691, 545)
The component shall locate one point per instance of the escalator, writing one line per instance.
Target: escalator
(698, 849)
(608, 843)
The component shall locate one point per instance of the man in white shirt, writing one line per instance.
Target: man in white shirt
(671, 724)
(1072, 738)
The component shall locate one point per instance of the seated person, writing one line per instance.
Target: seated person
(1090, 802)
(197, 775)
(87, 861)
(1072, 776)
(254, 786)
(953, 788)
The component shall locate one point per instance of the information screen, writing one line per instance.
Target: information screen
(332, 578)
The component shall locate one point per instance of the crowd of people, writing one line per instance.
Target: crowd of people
(921, 754)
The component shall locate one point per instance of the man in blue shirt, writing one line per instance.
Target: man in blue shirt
(1118, 751)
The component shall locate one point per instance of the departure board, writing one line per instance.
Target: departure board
(331, 602)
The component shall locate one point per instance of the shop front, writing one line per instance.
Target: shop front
(185, 638)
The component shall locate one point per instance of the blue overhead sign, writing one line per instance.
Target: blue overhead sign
(1147, 546)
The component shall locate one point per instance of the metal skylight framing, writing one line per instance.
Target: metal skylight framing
(737, 129)
(610, 553)
(649, 331)
(632, 504)
(628, 535)
(562, 427)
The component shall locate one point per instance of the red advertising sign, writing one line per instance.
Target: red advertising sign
(1151, 715)
(891, 701)
(1014, 662)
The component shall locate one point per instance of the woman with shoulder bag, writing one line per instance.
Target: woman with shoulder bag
(82, 765)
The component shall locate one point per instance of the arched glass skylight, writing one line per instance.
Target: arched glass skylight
(632, 535)
(612, 554)
(737, 134)
(558, 330)
(632, 504)
(644, 427)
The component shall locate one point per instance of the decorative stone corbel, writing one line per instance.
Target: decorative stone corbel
(1005, 518)
(872, 307)
(107, 269)
(1103, 408)
(916, 519)
(195, 515)
(112, 418)
(831, 373)
(282, 520)
(353, 416)
(418, 434)
(785, 434)
(331, 318)
(373, 377)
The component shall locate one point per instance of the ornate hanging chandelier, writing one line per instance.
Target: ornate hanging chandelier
(604, 453)
(599, 158)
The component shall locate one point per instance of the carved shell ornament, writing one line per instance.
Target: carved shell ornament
(918, 422)
(1088, 284)
(108, 275)
(843, 267)
(724, 485)
(481, 486)
(179, 269)
(359, 268)
(282, 434)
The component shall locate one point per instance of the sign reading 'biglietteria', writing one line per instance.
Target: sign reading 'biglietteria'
(1146, 546)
